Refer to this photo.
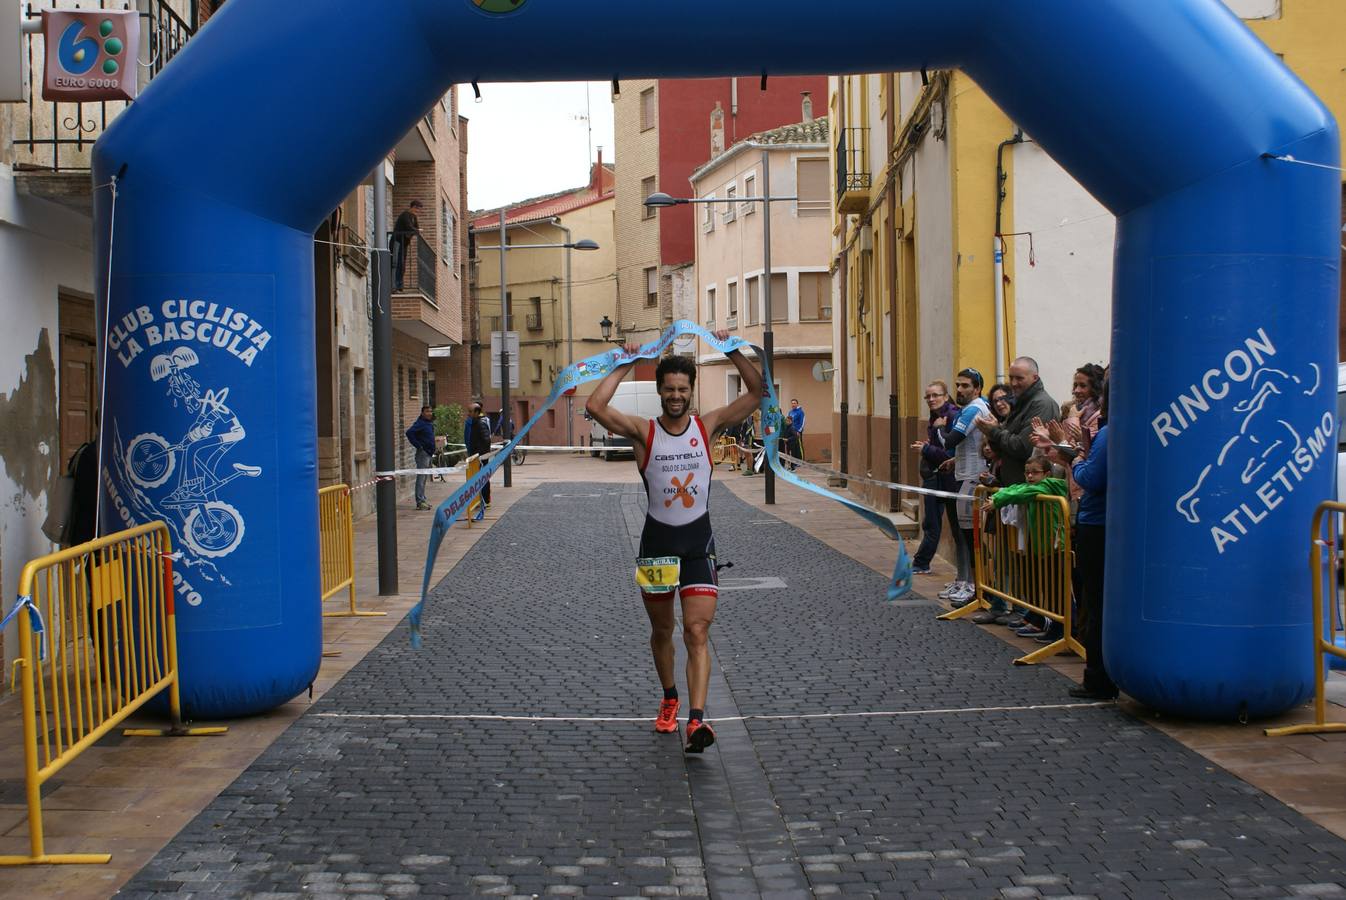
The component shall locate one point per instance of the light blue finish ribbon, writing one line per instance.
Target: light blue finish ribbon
(596, 367)
(34, 620)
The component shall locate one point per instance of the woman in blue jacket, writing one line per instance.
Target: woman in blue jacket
(1090, 469)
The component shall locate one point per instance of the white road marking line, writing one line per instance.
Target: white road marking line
(838, 715)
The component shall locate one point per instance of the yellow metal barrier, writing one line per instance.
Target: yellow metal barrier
(1324, 572)
(107, 645)
(476, 510)
(725, 450)
(1027, 565)
(336, 546)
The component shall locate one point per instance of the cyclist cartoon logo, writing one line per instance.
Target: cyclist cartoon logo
(210, 527)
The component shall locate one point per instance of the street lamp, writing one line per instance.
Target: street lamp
(583, 244)
(660, 200)
(605, 326)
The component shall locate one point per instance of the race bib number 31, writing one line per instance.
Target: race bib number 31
(658, 575)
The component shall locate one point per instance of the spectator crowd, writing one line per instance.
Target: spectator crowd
(1018, 440)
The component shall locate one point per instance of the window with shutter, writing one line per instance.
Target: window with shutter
(814, 183)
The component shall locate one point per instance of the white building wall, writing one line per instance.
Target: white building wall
(44, 248)
(684, 306)
(934, 259)
(1063, 303)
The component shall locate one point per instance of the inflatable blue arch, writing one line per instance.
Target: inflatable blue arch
(1224, 307)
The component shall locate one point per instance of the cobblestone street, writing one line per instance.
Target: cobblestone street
(863, 748)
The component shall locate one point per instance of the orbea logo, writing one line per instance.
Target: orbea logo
(499, 7)
(79, 53)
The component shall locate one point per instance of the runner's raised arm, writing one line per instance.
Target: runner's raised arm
(613, 420)
(718, 420)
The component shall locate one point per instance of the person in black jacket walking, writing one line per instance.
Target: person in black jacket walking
(479, 443)
(421, 435)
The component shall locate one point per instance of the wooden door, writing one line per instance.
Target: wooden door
(78, 399)
(78, 374)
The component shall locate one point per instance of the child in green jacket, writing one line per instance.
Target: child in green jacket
(1041, 520)
(1040, 483)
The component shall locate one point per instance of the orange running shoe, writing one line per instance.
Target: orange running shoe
(667, 720)
(699, 736)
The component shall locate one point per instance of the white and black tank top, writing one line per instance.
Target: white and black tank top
(677, 473)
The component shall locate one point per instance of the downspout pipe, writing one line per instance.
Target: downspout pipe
(998, 253)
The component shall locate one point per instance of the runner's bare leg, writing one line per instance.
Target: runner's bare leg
(661, 638)
(697, 614)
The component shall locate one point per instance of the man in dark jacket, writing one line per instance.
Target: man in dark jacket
(1013, 444)
(1012, 441)
(421, 435)
(479, 443)
(407, 226)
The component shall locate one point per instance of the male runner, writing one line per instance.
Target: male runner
(673, 455)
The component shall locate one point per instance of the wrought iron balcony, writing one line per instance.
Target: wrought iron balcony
(533, 321)
(420, 269)
(50, 136)
(853, 175)
(351, 249)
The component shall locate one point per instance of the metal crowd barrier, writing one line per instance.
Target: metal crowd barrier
(476, 510)
(1329, 637)
(97, 641)
(1027, 565)
(336, 547)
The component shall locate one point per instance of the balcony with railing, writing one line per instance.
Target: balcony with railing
(853, 175)
(53, 140)
(416, 309)
(351, 249)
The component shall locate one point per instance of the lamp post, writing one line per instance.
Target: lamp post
(385, 453)
(659, 200)
(584, 244)
(571, 244)
(605, 327)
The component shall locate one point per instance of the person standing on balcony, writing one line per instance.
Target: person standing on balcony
(404, 228)
(421, 436)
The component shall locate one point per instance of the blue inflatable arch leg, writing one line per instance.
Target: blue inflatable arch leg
(1225, 299)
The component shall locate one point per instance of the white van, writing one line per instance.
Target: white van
(635, 398)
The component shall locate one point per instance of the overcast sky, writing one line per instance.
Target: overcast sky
(525, 140)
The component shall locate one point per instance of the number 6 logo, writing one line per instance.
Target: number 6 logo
(77, 55)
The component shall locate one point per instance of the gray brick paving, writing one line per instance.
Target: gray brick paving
(1031, 803)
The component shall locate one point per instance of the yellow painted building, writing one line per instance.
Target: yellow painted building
(557, 321)
(917, 161)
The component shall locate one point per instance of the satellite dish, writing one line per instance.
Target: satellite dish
(822, 371)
